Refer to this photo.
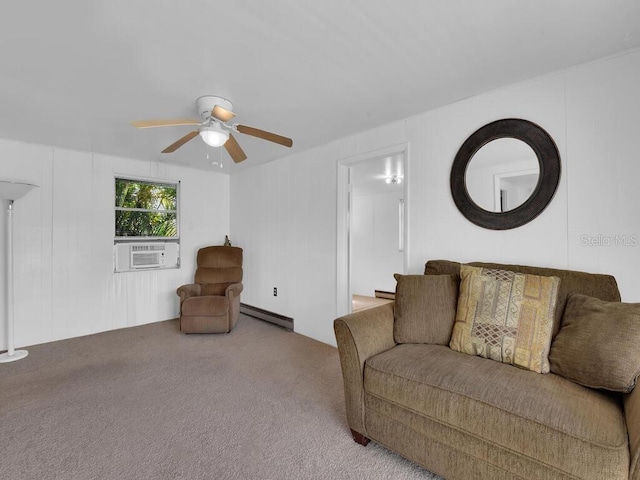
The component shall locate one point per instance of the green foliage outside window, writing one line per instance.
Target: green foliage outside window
(146, 209)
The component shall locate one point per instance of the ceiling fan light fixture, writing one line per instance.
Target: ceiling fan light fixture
(214, 136)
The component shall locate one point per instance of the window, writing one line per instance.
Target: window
(146, 209)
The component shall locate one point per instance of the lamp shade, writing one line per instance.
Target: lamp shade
(14, 190)
(214, 135)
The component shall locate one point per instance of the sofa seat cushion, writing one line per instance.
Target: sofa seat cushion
(205, 305)
(561, 426)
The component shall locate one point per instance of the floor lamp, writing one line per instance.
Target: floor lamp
(11, 191)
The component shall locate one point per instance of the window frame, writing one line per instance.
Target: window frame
(151, 181)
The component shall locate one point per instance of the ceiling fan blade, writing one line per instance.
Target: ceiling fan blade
(176, 145)
(164, 123)
(272, 137)
(234, 149)
(222, 114)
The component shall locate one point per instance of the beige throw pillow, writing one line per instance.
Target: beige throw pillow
(505, 316)
(425, 308)
(598, 344)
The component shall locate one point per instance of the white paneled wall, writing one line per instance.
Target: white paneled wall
(64, 280)
(603, 124)
(438, 229)
(285, 212)
(285, 221)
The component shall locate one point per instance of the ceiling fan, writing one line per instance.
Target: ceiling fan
(215, 112)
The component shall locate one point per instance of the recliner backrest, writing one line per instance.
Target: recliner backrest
(219, 265)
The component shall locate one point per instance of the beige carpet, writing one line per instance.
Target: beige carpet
(151, 403)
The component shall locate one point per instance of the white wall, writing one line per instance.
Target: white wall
(375, 237)
(284, 213)
(63, 236)
(285, 221)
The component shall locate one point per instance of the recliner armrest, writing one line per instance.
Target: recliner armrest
(360, 336)
(632, 415)
(234, 289)
(189, 290)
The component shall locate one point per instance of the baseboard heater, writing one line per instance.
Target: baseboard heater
(267, 316)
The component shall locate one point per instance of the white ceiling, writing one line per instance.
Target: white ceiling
(74, 73)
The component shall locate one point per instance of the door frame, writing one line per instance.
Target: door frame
(344, 202)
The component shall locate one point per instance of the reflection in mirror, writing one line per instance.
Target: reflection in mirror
(502, 175)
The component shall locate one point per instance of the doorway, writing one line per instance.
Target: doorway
(372, 227)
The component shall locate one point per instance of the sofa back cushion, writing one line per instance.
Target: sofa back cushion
(597, 345)
(425, 308)
(505, 316)
(595, 285)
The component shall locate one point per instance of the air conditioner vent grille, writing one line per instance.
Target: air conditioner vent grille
(144, 259)
(146, 248)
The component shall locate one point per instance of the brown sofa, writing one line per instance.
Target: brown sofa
(466, 417)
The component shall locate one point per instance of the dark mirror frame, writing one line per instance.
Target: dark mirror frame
(548, 158)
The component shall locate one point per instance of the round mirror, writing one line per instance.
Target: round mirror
(502, 175)
(505, 174)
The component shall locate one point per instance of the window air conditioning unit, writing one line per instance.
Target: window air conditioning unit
(143, 256)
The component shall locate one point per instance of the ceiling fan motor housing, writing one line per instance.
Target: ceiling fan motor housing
(206, 103)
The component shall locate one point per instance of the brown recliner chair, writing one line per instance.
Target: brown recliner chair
(212, 303)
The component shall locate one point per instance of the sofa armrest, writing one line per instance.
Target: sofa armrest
(360, 336)
(189, 290)
(632, 415)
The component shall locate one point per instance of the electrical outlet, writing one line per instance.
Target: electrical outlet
(275, 291)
